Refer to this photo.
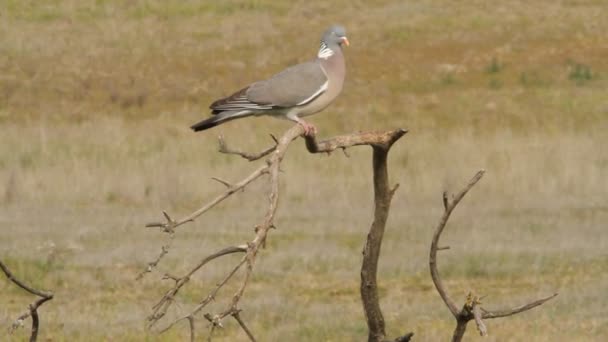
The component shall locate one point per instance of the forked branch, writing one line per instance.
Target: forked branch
(472, 309)
(33, 308)
(223, 148)
(251, 248)
(381, 143)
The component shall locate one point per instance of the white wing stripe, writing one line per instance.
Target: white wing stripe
(317, 93)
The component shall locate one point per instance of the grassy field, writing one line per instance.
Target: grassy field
(96, 98)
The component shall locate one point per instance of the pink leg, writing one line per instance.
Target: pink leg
(309, 129)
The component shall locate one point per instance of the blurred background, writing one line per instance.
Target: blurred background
(96, 98)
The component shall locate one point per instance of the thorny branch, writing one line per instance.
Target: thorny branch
(33, 308)
(472, 309)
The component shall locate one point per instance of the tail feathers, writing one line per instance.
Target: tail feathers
(220, 118)
(205, 124)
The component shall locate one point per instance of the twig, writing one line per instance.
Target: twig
(449, 207)
(476, 309)
(237, 316)
(191, 323)
(472, 308)
(170, 225)
(508, 312)
(160, 309)
(223, 148)
(164, 249)
(219, 180)
(33, 308)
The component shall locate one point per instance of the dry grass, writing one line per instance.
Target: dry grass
(96, 98)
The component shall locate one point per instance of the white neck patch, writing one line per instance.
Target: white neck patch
(324, 51)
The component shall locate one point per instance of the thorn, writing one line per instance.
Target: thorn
(445, 200)
(276, 141)
(443, 248)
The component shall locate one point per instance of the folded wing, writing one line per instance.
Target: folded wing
(295, 86)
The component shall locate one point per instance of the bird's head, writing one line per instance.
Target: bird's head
(335, 35)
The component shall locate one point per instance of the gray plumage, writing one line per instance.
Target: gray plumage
(297, 91)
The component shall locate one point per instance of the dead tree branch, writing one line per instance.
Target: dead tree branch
(472, 309)
(223, 148)
(271, 168)
(381, 143)
(33, 308)
(238, 318)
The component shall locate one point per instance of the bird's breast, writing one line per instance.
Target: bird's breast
(335, 70)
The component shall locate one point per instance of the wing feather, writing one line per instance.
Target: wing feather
(294, 86)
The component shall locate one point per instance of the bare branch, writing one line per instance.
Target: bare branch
(237, 316)
(32, 308)
(477, 315)
(214, 323)
(161, 307)
(472, 308)
(449, 207)
(191, 323)
(219, 180)
(380, 141)
(377, 138)
(223, 148)
(508, 312)
(272, 168)
(171, 224)
(164, 249)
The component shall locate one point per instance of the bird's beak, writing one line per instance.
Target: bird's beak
(345, 41)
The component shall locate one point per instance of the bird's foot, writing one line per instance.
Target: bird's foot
(309, 129)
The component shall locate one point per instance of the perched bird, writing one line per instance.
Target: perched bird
(297, 91)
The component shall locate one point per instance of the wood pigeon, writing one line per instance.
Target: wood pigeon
(297, 91)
